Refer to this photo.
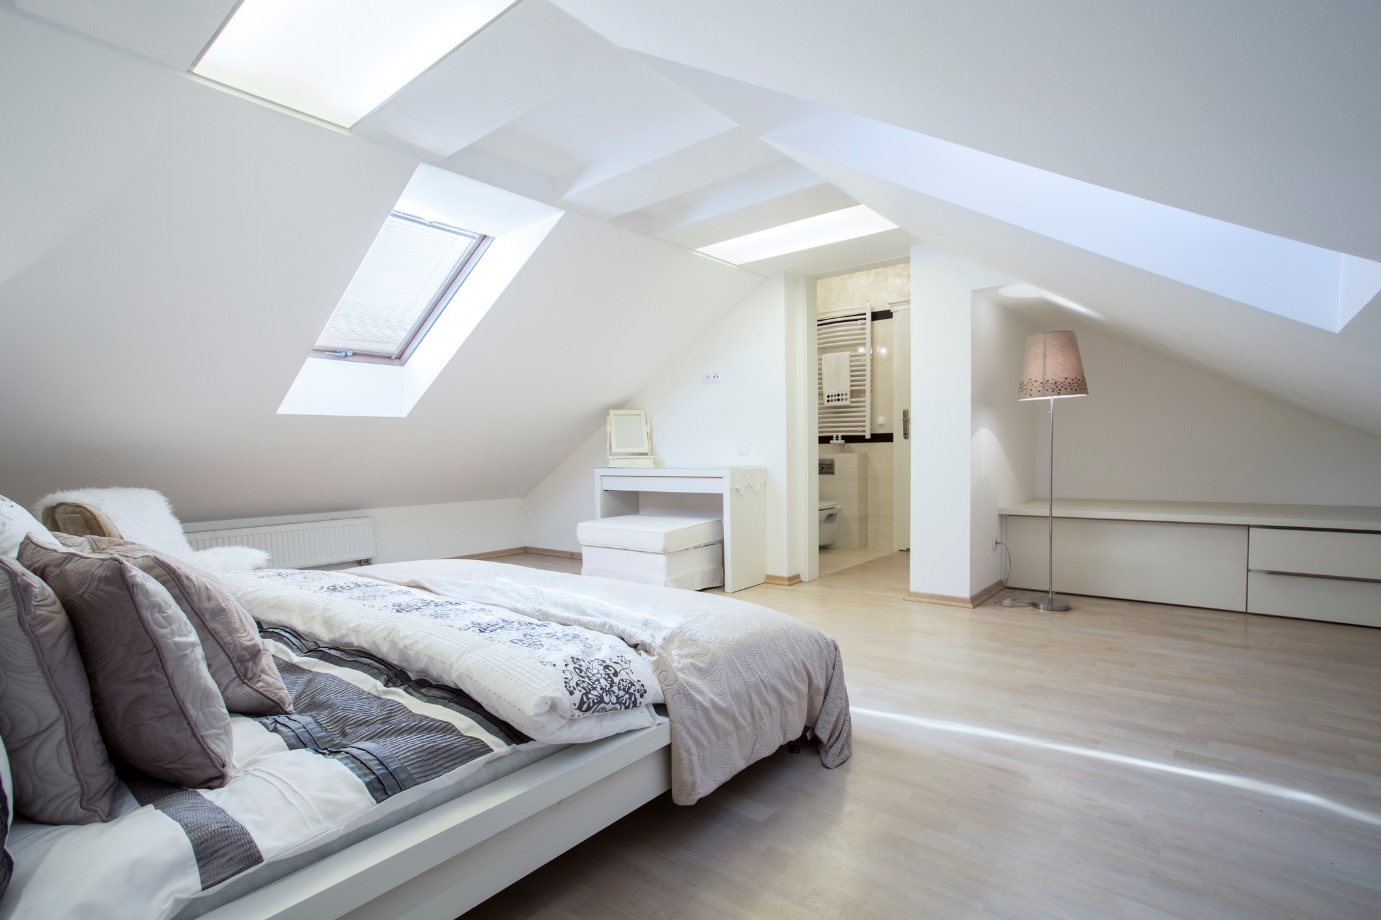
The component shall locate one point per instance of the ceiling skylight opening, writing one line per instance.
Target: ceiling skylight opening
(821, 230)
(410, 273)
(337, 60)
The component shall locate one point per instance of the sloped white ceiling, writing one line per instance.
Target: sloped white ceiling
(156, 327)
(188, 244)
(1255, 114)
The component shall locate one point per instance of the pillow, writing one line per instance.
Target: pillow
(239, 661)
(62, 774)
(157, 706)
(6, 802)
(79, 520)
(15, 524)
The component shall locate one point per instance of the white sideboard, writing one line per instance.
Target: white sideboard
(741, 504)
(1315, 562)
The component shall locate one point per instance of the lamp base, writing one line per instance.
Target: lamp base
(1040, 602)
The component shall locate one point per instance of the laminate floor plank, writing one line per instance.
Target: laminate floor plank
(1118, 760)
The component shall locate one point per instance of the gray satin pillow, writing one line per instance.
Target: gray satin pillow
(62, 774)
(157, 706)
(7, 801)
(239, 661)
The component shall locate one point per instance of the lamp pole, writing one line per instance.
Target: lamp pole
(1050, 601)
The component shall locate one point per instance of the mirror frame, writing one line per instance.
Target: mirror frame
(619, 444)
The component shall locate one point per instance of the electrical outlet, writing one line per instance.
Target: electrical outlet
(712, 377)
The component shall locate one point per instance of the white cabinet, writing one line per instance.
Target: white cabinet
(1313, 562)
(1193, 565)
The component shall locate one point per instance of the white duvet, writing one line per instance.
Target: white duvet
(739, 680)
(555, 683)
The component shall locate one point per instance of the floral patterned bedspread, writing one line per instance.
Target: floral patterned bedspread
(557, 683)
(740, 680)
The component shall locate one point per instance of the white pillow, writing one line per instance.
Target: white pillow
(15, 523)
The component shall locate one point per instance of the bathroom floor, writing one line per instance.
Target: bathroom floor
(834, 560)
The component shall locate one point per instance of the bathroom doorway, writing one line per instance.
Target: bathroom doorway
(864, 474)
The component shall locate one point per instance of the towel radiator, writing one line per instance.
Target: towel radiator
(848, 330)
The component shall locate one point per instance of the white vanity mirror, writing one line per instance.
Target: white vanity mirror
(630, 438)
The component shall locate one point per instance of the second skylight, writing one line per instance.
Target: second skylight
(820, 230)
(337, 60)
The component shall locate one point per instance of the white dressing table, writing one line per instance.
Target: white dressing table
(742, 505)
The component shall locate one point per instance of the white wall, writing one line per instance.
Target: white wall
(566, 497)
(944, 560)
(1153, 428)
(443, 531)
(740, 421)
(1003, 446)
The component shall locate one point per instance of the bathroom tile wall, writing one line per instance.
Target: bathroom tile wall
(850, 485)
(879, 286)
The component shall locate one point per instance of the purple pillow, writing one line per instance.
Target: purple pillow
(158, 708)
(61, 772)
(239, 661)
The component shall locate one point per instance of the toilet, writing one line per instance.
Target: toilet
(829, 522)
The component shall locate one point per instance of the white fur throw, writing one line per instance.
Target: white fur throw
(145, 516)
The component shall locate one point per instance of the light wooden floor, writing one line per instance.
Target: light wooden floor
(1118, 760)
(833, 560)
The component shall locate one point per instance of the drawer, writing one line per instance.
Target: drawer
(1332, 599)
(1338, 554)
(625, 483)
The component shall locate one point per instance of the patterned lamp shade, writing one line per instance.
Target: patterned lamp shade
(1052, 367)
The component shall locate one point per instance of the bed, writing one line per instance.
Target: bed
(533, 708)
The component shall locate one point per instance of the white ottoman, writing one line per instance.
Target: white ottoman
(680, 552)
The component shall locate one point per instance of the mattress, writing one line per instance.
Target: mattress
(695, 568)
(650, 533)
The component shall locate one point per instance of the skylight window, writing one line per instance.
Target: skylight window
(440, 201)
(797, 236)
(411, 272)
(337, 60)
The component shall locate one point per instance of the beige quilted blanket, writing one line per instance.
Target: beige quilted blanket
(740, 680)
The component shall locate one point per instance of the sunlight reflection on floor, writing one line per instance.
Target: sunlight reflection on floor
(1240, 782)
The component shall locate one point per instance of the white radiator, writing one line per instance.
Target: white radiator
(300, 545)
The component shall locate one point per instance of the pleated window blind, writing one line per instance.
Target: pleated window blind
(411, 271)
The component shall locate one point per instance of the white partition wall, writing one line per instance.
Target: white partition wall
(943, 563)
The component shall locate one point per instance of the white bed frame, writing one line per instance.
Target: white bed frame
(443, 862)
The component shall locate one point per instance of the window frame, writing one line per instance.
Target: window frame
(438, 303)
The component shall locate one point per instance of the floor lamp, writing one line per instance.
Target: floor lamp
(1052, 370)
